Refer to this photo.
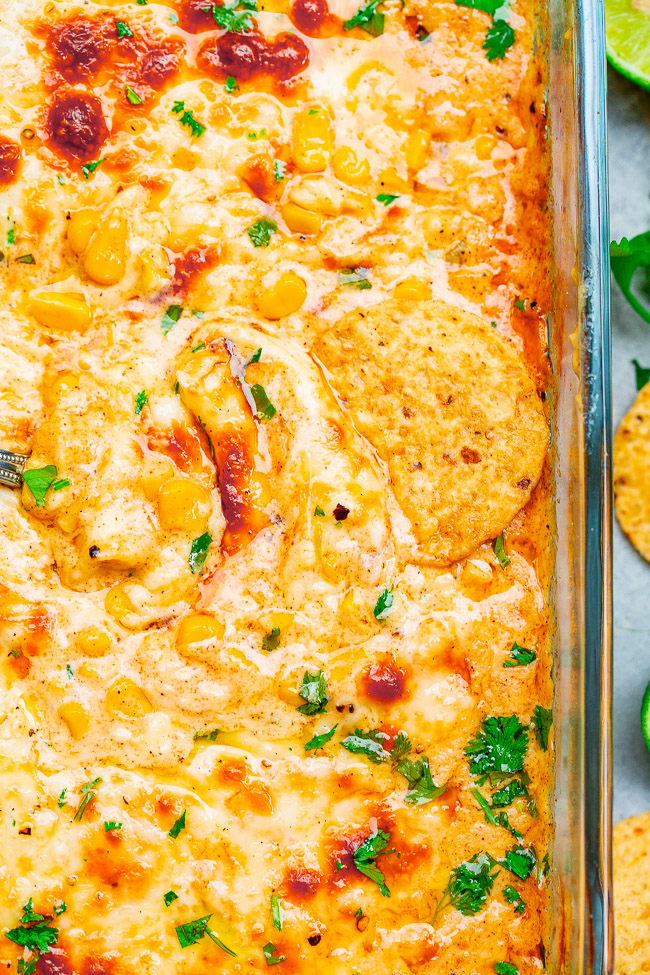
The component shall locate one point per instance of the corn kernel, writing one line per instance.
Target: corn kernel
(416, 149)
(350, 168)
(284, 297)
(94, 642)
(197, 628)
(484, 145)
(279, 618)
(154, 476)
(412, 289)
(150, 277)
(81, 226)
(117, 603)
(124, 699)
(288, 691)
(183, 505)
(360, 204)
(311, 144)
(76, 717)
(105, 262)
(64, 310)
(301, 221)
(392, 182)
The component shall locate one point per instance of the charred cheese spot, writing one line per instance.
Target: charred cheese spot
(10, 157)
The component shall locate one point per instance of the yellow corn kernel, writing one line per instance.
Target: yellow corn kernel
(301, 221)
(197, 628)
(350, 168)
(94, 642)
(476, 572)
(484, 145)
(183, 505)
(105, 262)
(117, 603)
(415, 153)
(392, 182)
(154, 476)
(150, 277)
(360, 204)
(81, 226)
(284, 297)
(64, 310)
(280, 619)
(124, 699)
(288, 690)
(331, 568)
(68, 519)
(413, 289)
(312, 140)
(76, 717)
(88, 669)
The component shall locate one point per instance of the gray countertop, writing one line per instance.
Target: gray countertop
(629, 196)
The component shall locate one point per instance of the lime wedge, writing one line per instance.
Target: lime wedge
(645, 716)
(628, 38)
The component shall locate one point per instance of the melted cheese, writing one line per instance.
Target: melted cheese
(97, 680)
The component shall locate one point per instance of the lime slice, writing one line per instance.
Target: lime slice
(628, 38)
(645, 716)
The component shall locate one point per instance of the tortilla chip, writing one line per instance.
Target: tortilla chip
(632, 473)
(632, 895)
(450, 408)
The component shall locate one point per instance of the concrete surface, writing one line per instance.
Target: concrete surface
(629, 195)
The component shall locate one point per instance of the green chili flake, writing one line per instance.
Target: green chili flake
(178, 826)
(170, 318)
(140, 401)
(384, 604)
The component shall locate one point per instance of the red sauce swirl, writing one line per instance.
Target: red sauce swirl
(313, 17)
(251, 55)
(76, 125)
(384, 681)
(195, 16)
(10, 156)
(81, 45)
(160, 62)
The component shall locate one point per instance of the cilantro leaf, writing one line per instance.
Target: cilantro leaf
(132, 96)
(469, 885)
(230, 84)
(319, 740)
(355, 278)
(494, 819)
(500, 552)
(261, 231)
(269, 952)
(384, 604)
(520, 304)
(178, 826)
(365, 858)
(505, 968)
(367, 19)
(170, 897)
(387, 198)
(520, 656)
(626, 258)
(508, 793)
(87, 796)
(488, 6)
(279, 167)
(187, 119)
(498, 750)
(521, 861)
(271, 640)
(140, 401)
(368, 743)
(318, 511)
(314, 691)
(514, 897)
(401, 747)
(422, 787)
(63, 482)
(37, 937)
(192, 932)
(498, 39)
(208, 736)
(276, 912)
(227, 17)
(38, 480)
(264, 408)
(199, 552)
(170, 318)
(123, 30)
(26, 259)
(111, 825)
(641, 373)
(89, 168)
(542, 721)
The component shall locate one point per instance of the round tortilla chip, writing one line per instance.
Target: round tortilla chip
(632, 473)
(632, 895)
(449, 406)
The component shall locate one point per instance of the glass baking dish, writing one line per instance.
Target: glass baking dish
(582, 937)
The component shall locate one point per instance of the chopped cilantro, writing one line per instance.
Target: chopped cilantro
(26, 259)
(170, 897)
(365, 858)
(521, 861)
(521, 305)
(11, 236)
(506, 795)
(261, 231)
(208, 736)
(542, 721)
(318, 511)
(63, 482)
(264, 408)
(187, 118)
(280, 170)
(422, 788)
(368, 19)
(494, 819)
(368, 743)
(319, 740)
(89, 168)
(170, 318)
(641, 373)
(498, 39)
(132, 96)
(271, 640)
(38, 480)
(505, 968)
(401, 747)
(178, 826)
(87, 795)
(255, 357)
(627, 257)
(469, 885)
(313, 690)
(384, 604)
(140, 401)
(192, 932)
(199, 552)
(387, 198)
(269, 953)
(196, 348)
(69, 671)
(111, 825)
(498, 750)
(488, 6)
(61, 800)
(123, 30)
(355, 278)
(514, 897)
(230, 84)
(228, 17)
(142, 3)
(520, 656)
(38, 937)
(276, 912)
(500, 552)
(198, 314)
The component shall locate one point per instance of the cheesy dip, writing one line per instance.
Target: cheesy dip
(275, 682)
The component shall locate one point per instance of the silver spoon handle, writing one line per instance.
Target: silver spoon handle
(11, 467)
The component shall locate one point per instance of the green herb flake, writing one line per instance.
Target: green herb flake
(270, 956)
(38, 480)
(208, 736)
(192, 932)
(69, 671)
(140, 401)
(170, 897)
(38, 937)
(87, 795)
(313, 691)
(26, 259)
(520, 656)
(173, 17)
(196, 348)
(230, 18)
(492, 818)
(132, 96)
(470, 885)
(89, 168)
(366, 855)
(319, 740)
(63, 482)
(368, 743)
(123, 30)
(627, 257)
(11, 236)
(422, 788)
(488, 6)
(542, 721)
(506, 795)
(642, 374)
(264, 408)
(368, 19)
(170, 318)
(199, 552)
(520, 304)
(498, 39)
(280, 170)
(387, 198)
(521, 861)
(187, 119)
(500, 552)
(261, 231)
(514, 897)
(230, 85)
(355, 278)
(255, 357)
(61, 801)
(498, 750)
(276, 912)
(505, 968)
(318, 511)
(384, 604)
(271, 641)
(111, 825)
(178, 826)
